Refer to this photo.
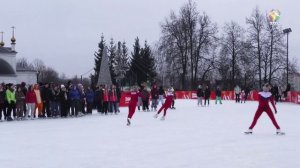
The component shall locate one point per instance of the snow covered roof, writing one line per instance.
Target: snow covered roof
(6, 50)
(21, 69)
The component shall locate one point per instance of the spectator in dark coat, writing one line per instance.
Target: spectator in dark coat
(275, 93)
(47, 97)
(90, 97)
(206, 95)
(74, 97)
(247, 92)
(65, 109)
(154, 97)
(55, 102)
(20, 101)
(2, 102)
(99, 98)
(200, 95)
(218, 95)
(145, 99)
(24, 90)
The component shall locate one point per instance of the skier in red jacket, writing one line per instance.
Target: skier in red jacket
(134, 94)
(169, 98)
(264, 98)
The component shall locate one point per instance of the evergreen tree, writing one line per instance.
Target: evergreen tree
(148, 62)
(118, 67)
(142, 67)
(98, 56)
(121, 62)
(135, 70)
(124, 60)
(112, 60)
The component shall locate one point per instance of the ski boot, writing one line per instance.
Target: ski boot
(163, 118)
(155, 116)
(248, 132)
(128, 122)
(279, 132)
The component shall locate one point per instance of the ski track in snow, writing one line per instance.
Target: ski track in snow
(190, 137)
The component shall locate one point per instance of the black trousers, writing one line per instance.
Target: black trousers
(113, 106)
(11, 108)
(173, 103)
(75, 107)
(46, 108)
(82, 106)
(64, 109)
(99, 105)
(206, 100)
(237, 98)
(105, 107)
(89, 107)
(145, 104)
(2, 110)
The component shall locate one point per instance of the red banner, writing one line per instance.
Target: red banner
(293, 97)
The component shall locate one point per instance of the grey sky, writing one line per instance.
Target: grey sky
(65, 33)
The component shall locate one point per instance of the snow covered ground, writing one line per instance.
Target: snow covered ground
(190, 137)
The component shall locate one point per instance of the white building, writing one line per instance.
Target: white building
(294, 80)
(9, 73)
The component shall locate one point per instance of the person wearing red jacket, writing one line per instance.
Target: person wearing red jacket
(169, 98)
(134, 94)
(154, 97)
(31, 101)
(105, 99)
(264, 98)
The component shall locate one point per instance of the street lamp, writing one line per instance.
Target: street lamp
(287, 32)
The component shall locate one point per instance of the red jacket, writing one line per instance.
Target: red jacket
(134, 96)
(30, 97)
(105, 95)
(264, 99)
(169, 98)
(113, 95)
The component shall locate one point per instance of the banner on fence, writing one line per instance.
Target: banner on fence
(293, 97)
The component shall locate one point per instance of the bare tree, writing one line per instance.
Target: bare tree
(256, 24)
(187, 38)
(24, 63)
(204, 47)
(232, 44)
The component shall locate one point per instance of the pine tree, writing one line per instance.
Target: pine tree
(135, 69)
(124, 59)
(148, 62)
(112, 60)
(98, 56)
(142, 67)
(118, 68)
(121, 62)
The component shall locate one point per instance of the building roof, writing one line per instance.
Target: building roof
(6, 50)
(21, 69)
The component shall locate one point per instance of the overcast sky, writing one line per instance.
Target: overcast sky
(65, 33)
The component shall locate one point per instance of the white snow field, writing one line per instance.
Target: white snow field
(190, 137)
